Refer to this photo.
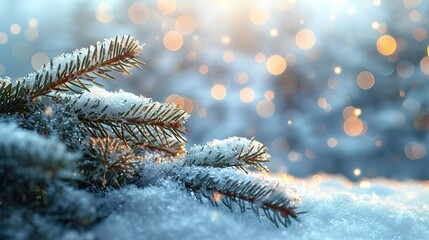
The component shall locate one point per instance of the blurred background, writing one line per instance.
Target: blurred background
(335, 86)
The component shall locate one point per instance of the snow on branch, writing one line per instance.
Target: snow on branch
(232, 189)
(232, 152)
(126, 114)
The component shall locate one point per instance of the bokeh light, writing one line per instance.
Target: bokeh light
(39, 59)
(225, 40)
(138, 13)
(247, 95)
(104, 13)
(15, 28)
(386, 45)
(228, 56)
(218, 92)
(185, 24)
(260, 57)
(415, 151)
(332, 142)
(31, 33)
(203, 69)
(167, 6)
(258, 14)
(353, 126)
(242, 77)
(269, 95)
(265, 108)
(276, 65)
(305, 39)
(424, 65)
(3, 38)
(33, 23)
(357, 172)
(173, 40)
(365, 80)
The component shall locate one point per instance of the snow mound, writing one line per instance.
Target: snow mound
(337, 208)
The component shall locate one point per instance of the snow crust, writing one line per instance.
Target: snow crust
(337, 209)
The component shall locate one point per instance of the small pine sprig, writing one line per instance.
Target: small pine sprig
(108, 164)
(232, 189)
(232, 152)
(12, 96)
(127, 115)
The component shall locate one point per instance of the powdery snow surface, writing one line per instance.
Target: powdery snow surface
(337, 209)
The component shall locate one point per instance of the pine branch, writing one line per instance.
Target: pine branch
(69, 71)
(74, 71)
(109, 164)
(29, 163)
(232, 152)
(127, 115)
(245, 191)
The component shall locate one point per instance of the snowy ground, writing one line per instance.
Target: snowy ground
(337, 209)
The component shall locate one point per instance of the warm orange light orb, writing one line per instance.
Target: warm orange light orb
(167, 6)
(354, 126)
(305, 39)
(185, 24)
(386, 45)
(276, 65)
(258, 14)
(173, 40)
(218, 92)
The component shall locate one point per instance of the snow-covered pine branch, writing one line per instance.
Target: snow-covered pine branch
(29, 162)
(247, 191)
(125, 114)
(75, 71)
(232, 152)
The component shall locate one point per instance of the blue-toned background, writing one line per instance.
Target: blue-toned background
(335, 86)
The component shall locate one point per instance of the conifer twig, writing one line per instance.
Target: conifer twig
(109, 163)
(229, 188)
(233, 152)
